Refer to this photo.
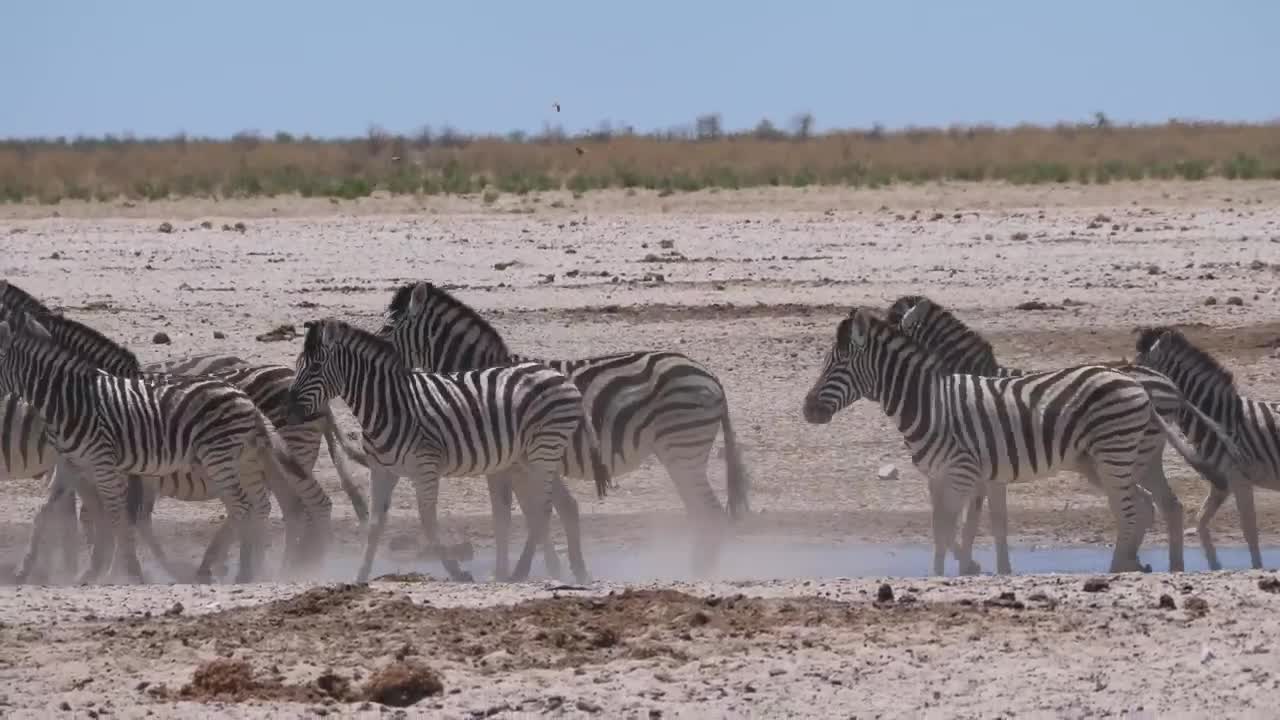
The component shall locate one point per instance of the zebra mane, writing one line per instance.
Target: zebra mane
(439, 302)
(13, 298)
(971, 348)
(85, 341)
(23, 322)
(363, 341)
(1182, 352)
(878, 322)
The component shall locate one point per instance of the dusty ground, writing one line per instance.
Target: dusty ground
(751, 283)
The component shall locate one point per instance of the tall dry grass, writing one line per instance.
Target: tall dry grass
(108, 168)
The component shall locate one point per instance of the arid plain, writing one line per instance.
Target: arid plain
(751, 283)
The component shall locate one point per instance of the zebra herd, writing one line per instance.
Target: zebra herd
(81, 409)
(438, 393)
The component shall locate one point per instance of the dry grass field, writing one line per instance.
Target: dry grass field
(752, 283)
(107, 169)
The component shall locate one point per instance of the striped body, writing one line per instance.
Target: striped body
(962, 350)
(110, 426)
(966, 432)
(640, 404)
(1252, 425)
(427, 426)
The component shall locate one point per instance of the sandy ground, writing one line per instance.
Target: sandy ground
(752, 283)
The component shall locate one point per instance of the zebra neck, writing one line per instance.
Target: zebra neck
(49, 383)
(374, 390)
(908, 398)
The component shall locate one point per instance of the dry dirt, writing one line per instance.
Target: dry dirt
(752, 284)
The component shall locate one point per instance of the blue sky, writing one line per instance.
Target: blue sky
(328, 68)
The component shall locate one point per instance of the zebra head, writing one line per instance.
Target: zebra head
(434, 331)
(838, 386)
(314, 384)
(12, 328)
(1196, 373)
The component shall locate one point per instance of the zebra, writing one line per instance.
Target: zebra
(109, 426)
(267, 385)
(639, 404)
(960, 349)
(1254, 425)
(965, 430)
(428, 425)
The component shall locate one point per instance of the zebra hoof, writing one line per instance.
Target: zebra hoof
(971, 568)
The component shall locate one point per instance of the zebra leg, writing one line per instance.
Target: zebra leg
(427, 490)
(946, 503)
(687, 466)
(111, 484)
(998, 516)
(1156, 483)
(1126, 507)
(381, 483)
(218, 547)
(539, 478)
(500, 506)
(1242, 488)
(1204, 518)
(566, 506)
(964, 551)
(336, 453)
(527, 487)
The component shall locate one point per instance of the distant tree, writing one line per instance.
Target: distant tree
(707, 127)
(802, 126)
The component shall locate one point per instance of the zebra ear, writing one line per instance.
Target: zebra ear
(916, 315)
(418, 298)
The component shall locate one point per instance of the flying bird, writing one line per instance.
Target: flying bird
(556, 105)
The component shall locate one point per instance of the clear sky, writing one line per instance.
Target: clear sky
(156, 67)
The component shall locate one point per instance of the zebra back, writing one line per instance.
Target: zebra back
(85, 342)
(206, 364)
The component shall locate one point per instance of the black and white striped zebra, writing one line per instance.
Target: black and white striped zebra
(960, 349)
(431, 425)
(1252, 425)
(109, 426)
(966, 431)
(639, 404)
(305, 509)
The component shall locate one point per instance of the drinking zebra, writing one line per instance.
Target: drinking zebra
(961, 349)
(965, 430)
(428, 425)
(1253, 425)
(639, 404)
(109, 426)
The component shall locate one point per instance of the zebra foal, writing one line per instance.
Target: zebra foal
(962, 350)
(109, 426)
(1252, 425)
(638, 404)
(967, 431)
(428, 425)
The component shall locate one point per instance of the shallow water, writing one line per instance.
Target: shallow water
(784, 560)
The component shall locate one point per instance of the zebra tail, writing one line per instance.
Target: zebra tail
(585, 437)
(278, 460)
(1210, 471)
(133, 496)
(737, 481)
(337, 447)
(1237, 455)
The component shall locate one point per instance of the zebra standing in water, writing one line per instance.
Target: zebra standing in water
(109, 426)
(965, 431)
(962, 350)
(1254, 425)
(639, 404)
(431, 425)
(306, 505)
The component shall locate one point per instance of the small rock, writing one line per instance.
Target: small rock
(278, 334)
(239, 227)
(1154, 270)
(207, 225)
(160, 338)
(65, 706)
(1205, 655)
(1257, 265)
(1096, 584)
(219, 335)
(1211, 300)
(1167, 602)
(1006, 599)
(1196, 605)
(887, 472)
(505, 265)
(667, 244)
(1235, 300)
(1269, 584)
(174, 611)
(884, 593)
(166, 227)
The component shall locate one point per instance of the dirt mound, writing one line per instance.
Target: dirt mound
(319, 600)
(402, 684)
